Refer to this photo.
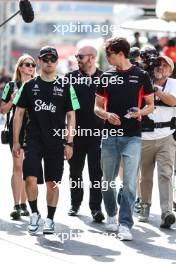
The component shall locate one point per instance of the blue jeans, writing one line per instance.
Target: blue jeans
(113, 149)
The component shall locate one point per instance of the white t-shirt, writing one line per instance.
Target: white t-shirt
(162, 114)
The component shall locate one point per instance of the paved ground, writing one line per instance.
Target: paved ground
(78, 239)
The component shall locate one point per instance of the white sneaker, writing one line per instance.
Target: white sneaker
(112, 223)
(124, 233)
(48, 227)
(34, 223)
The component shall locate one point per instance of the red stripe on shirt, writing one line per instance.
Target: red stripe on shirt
(140, 97)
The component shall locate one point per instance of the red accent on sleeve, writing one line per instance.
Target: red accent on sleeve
(99, 94)
(141, 95)
(106, 98)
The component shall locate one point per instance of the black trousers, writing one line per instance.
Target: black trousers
(83, 146)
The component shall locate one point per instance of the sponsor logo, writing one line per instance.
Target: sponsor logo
(133, 81)
(134, 76)
(58, 91)
(42, 106)
(36, 89)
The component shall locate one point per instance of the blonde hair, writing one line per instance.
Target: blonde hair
(17, 73)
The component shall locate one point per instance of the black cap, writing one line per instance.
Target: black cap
(134, 52)
(48, 51)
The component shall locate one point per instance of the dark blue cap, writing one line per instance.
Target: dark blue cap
(47, 50)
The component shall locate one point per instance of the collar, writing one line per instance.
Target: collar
(96, 73)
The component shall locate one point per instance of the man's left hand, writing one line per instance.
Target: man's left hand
(137, 115)
(68, 152)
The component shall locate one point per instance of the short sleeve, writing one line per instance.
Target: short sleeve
(72, 102)
(100, 89)
(21, 97)
(147, 84)
(7, 92)
(171, 87)
(172, 92)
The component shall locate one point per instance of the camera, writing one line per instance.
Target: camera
(135, 57)
(149, 58)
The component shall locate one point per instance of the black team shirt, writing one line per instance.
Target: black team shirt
(9, 89)
(85, 87)
(47, 104)
(123, 90)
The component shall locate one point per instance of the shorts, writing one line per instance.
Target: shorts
(53, 161)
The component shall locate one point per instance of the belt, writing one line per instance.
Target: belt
(162, 124)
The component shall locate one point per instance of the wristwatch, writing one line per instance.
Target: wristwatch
(155, 89)
(70, 144)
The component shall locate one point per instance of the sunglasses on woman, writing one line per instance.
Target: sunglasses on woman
(28, 64)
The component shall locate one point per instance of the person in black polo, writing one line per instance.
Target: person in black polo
(86, 144)
(48, 103)
(121, 89)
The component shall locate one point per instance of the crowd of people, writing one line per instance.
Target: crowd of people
(135, 108)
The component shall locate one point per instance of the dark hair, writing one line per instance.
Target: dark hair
(136, 34)
(171, 43)
(118, 44)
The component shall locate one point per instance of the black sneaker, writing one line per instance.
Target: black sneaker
(137, 205)
(73, 211)
(16, 213)
(24, 210)
(168, 219)
(98, 216)
(174, 206)
(119, 194)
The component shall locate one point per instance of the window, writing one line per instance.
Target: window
(85, 8)
(28, 30)
(12, 29)
(44, 7)
(13, 8)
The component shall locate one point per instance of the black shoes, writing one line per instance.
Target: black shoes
(119, 194)
(137, 205)
(18, 211)
(73, 211)
(98, 216)
(168, 219)
(24, 211)
(174, 206)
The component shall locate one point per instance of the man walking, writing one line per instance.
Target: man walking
(47, 103)
(86, 144)
(122, 94)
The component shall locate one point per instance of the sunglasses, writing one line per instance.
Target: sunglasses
(28, 64)
(81, 56)
(47, 59)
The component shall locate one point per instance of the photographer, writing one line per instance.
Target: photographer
(158, 145)
(149, 60)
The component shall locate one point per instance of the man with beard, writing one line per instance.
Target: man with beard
(158, 146)
(86, 144)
